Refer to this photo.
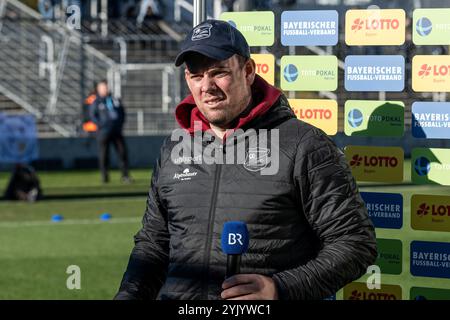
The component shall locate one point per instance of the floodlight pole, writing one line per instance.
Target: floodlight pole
(199, 12)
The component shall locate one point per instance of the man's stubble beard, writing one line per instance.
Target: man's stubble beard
(221, 121)
(226, 120)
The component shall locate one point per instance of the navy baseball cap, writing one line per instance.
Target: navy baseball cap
(215, 39)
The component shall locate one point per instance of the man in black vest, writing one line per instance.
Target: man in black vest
(309, 229)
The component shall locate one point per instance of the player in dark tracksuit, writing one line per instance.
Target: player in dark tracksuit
(108, 114)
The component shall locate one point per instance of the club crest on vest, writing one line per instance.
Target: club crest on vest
(257, 159)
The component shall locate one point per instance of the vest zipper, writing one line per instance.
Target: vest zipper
(209, 237)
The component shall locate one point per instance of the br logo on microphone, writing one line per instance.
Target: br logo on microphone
(235, 237)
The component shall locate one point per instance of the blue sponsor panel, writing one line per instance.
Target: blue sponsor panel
(18, 138)
(385, 209)
(431, 120)
(430, 259)
(375, 73)
(309, 28)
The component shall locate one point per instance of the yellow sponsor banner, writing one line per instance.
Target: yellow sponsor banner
(375, 27)
(321, 113)
(360, 291)
(265, 66)
(376, 164)
(431, 73)
(430, 213)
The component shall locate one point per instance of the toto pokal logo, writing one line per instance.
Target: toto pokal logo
(202, 32)
(373, 161)
(373, 24)
(290, 73)
(422, 166)
(257, 159)
(355, 118)
(424, 26)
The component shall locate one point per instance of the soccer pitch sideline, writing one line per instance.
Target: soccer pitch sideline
(35, 252)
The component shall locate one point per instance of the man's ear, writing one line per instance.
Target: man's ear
(250, 71)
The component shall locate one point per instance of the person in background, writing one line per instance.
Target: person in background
(148, 8)
(47, 9)
(24, 184)
(108, 114)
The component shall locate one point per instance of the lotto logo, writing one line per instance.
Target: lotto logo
(375, 24)
(426, 70)
(436, 210)
(358, 295)
(373, 161)
(314, 114)
(431, 73)
(430, 212)
(265, 66)
(262, 68)
(377, 164)
(375, 27)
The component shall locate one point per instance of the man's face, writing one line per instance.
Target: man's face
(221, 89)
(102, 89)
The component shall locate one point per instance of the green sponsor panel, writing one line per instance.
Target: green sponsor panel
(431, 26)
(418, 293)
(258, 28)
(389, 256)
(430, 166)
(369, 118)
(309, 73)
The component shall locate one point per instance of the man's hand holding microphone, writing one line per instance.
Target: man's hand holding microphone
(238, 286)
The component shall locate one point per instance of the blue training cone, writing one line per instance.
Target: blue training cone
(57, 218)
(105, 216)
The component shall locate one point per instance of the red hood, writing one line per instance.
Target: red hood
(263, 93)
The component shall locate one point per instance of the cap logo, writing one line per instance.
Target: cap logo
(202, 32)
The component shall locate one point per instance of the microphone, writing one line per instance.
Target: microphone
(234, 244)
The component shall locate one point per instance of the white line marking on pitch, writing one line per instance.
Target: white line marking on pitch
(67, 222)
